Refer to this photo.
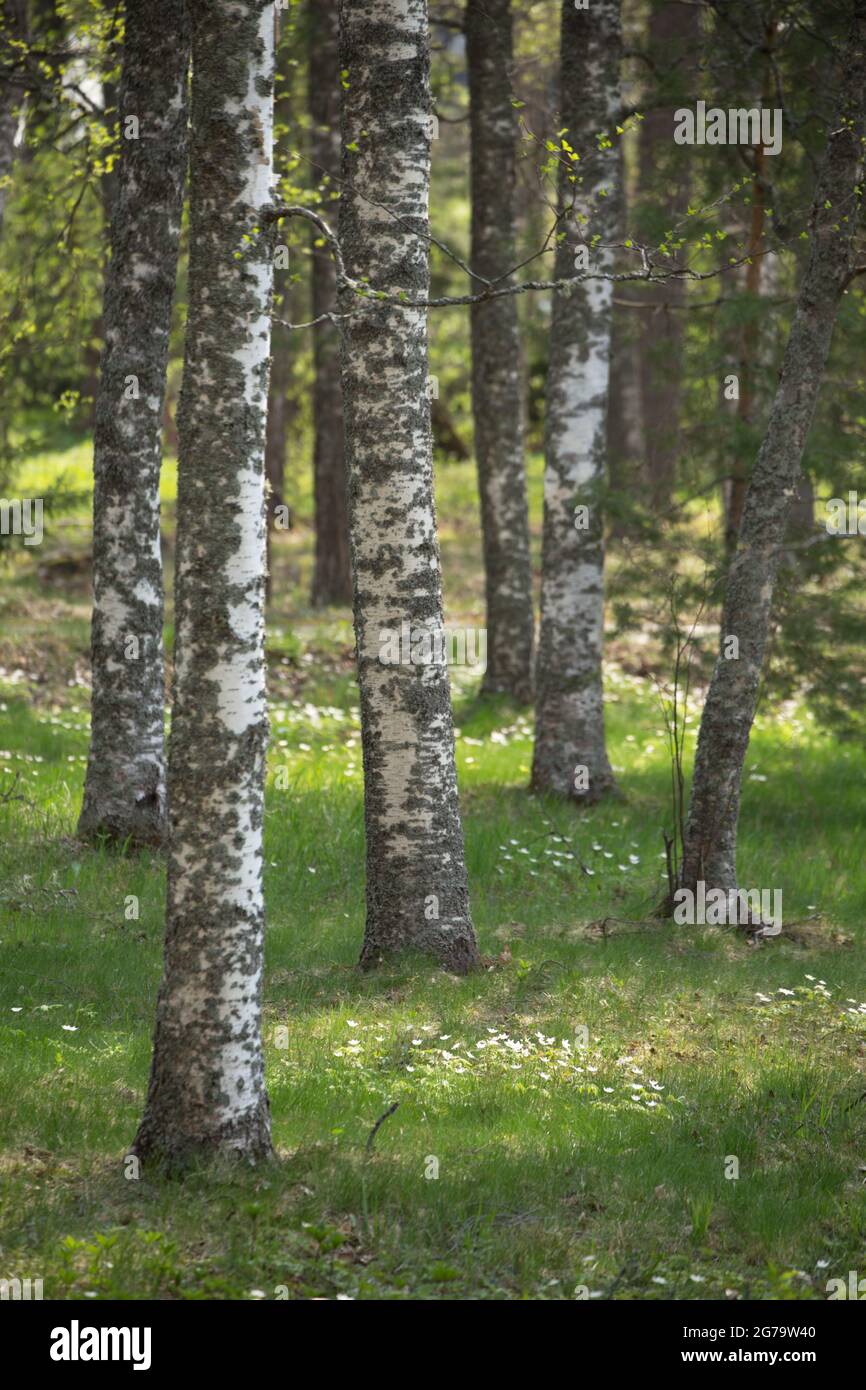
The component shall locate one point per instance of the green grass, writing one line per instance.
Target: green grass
(561, 1166)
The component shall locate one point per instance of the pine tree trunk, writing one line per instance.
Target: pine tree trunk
(417, 893)
(497, 379)
(124, 791)
(711, 827)
(332, 573)
(13, 31)
(570, 754)
(207, 1087)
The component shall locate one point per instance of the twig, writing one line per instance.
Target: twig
(381, 1120)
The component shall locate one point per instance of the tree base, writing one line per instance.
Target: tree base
(459, 956)
(165, 1147)
(143, 829)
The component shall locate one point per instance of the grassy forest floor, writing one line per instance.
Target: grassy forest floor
(519, 1163)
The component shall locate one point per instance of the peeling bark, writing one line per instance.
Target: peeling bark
(569, 729)
(497, 379)
(332, 572)
(207, 1087)
(726, 723)
(124, 790)
(417, 893)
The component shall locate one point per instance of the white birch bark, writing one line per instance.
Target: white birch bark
(417, 892)
(569, 731)
(207, 1090)
(124, 790)
(13, 33)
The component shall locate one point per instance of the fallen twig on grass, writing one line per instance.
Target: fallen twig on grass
(381, 1120)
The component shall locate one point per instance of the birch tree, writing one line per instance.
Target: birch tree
(13, 87)
(417, 892)
(570, 756)
(497, 386)
(674, 41)
(332, 573)
(709, 851)
(207, 1089)
(124, 790)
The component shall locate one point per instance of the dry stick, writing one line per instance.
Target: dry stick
(381, 1120)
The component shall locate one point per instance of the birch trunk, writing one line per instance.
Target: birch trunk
(13, 32)
(332, 574)
(417, 893)
(664, 174)
(277, 426)
(124, 790)
(497, 380)
(570, 755)
(711, 827)
(751, 334)
(207, 1088)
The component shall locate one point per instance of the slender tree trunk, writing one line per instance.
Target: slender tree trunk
(711, 827)
(332, 573)
(13, 32)
(277, 430)
(570, 754)
(497, 379)
(417, 893)
(207, 1087)
(664, 173)
(277, 427)
(625, 428)
(276, 433)
(736, 496)
(124, 790)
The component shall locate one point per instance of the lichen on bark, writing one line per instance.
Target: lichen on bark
(570, 757)
(497, 379)
(124, 791)
(332, 570)
(417, 894)
(207, 1091)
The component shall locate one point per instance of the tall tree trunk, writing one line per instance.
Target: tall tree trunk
(332, 572)
(625, 429)
(277, 429)
(13, 33)
(417, 894)
(207, 1085)
(570, 755)
(736, 493)
(674, 44)
(711, 827)
(736, 496)
(124, 790)
(497, 379)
